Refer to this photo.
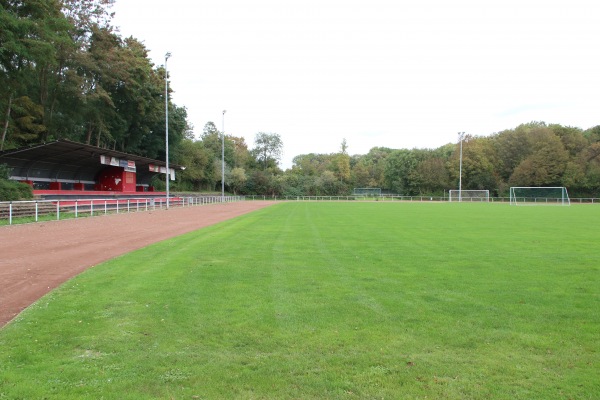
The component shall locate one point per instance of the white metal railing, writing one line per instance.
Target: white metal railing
(34, 210)
(395, 197)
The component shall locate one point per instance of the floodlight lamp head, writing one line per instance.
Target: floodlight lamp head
(167, 56)
(224, 111)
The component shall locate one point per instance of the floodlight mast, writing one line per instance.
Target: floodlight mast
(461, 135)
(167, 125)
(223, 157)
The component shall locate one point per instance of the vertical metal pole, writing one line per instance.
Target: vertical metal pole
(460, 135)
(167, 125)
(223, 157)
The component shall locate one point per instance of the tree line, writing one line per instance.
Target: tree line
(532, 154)
(65, 72)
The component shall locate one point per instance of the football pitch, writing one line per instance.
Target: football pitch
(330, 300)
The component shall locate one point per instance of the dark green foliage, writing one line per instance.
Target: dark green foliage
(12, 190)
(66, 73)
(533, 154)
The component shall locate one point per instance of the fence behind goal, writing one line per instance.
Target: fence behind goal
(539, 196)
(469, 195)
(367, 192)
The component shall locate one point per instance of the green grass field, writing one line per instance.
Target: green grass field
(329, 300)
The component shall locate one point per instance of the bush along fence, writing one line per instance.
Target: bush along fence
(46, 210)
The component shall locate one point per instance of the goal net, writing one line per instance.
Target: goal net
(469, 195)
(368, 192)
(539, 196)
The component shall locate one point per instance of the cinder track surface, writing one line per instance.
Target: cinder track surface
(36, 258)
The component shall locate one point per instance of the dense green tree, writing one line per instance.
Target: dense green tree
(592, 134)
(512, 148)
(434, 177)
(311, 164)
(194, 156)
(294, 184)
(241, 154)
(572, 138)
(401, 175)
(375, 160)
(478, 165)
(360, 172)
(342, 163)
(65, 73)
(212, 139)
(546, 165)
(262, 182)
(327, 184)
(589, 162)
(28, 121)
(268, 149)
(237, 179)
(31, 35)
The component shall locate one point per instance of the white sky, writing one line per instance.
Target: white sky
(391, 73)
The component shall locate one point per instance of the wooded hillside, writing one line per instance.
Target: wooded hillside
(65, 72)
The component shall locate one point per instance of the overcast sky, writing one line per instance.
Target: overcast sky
(391, 73)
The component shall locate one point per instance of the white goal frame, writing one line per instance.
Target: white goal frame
(469, 195)
(518, 198)
(367, 192)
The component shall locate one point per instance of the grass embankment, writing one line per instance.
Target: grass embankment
(329, 300)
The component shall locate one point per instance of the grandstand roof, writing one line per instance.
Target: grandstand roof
(67, 161)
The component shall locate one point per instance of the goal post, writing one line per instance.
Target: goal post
(367, 192)
(469, 195)
(554, 195)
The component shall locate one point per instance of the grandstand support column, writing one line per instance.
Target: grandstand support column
(167, 126)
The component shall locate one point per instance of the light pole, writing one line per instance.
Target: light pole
(167, 125)
(460, 136)
(223, 157)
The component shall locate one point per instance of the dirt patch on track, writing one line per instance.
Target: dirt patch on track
(36, 258)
